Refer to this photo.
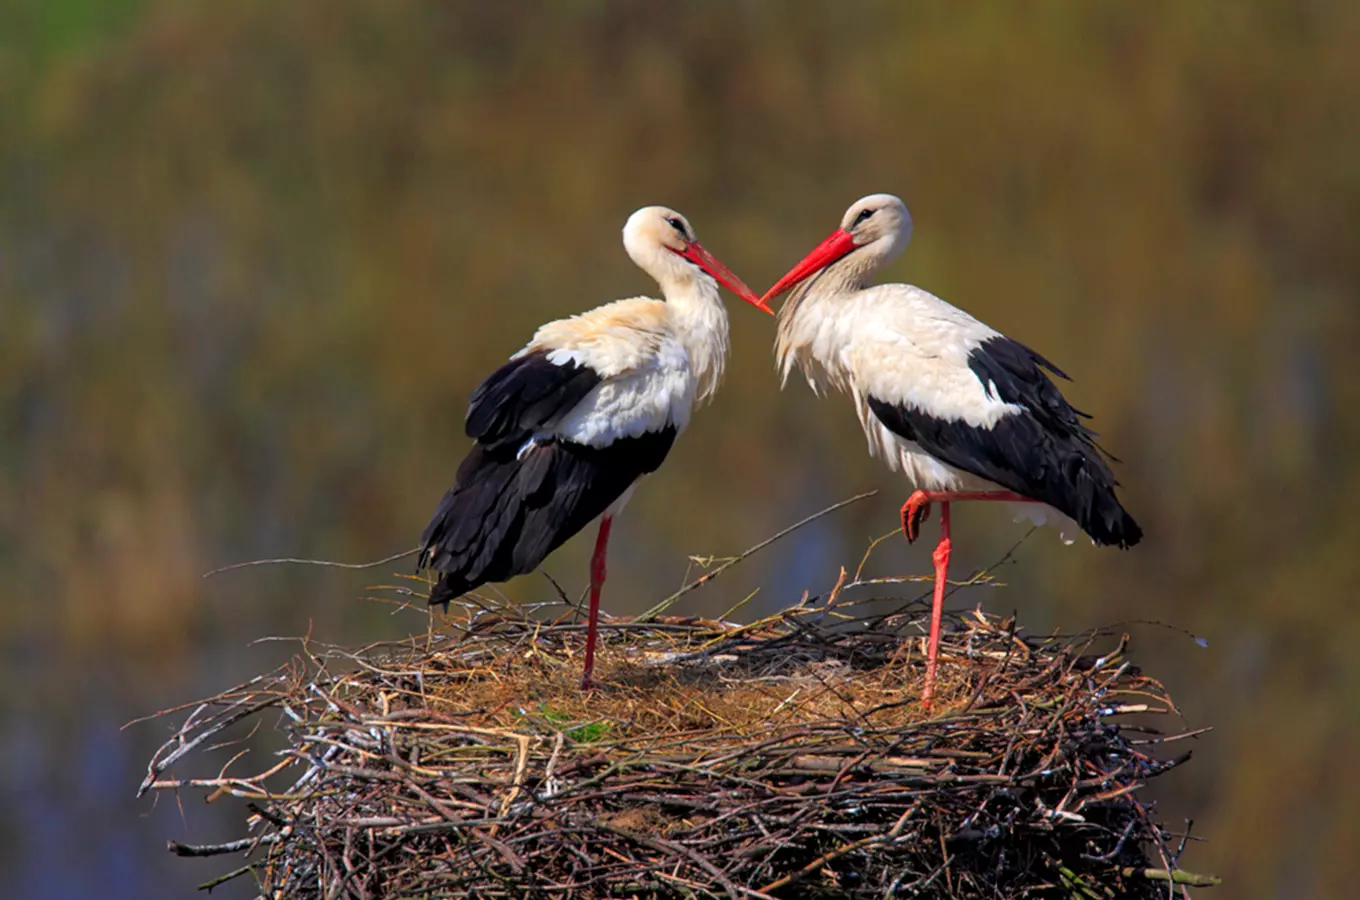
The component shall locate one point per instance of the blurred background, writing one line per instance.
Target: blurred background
(254, 257)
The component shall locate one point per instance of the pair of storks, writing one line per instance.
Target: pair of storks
(566, 428)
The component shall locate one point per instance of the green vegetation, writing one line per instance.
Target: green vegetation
(565, 722)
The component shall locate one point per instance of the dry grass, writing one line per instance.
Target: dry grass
(789, 757)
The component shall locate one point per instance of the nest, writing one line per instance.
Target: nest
(785, 758)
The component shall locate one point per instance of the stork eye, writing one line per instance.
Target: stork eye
(864, 215)
(678, 226)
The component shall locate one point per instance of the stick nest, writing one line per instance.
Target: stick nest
(788, 758)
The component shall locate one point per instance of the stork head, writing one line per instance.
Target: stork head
(662, 243)
(877, 227)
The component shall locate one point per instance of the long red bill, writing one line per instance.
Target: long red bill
(696, 254)
(824, 254)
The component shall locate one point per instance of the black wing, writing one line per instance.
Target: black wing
(525, 396)
(521, 493)
(1043, 451)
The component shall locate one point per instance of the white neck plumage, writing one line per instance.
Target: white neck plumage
(701, 324)
(811, 306)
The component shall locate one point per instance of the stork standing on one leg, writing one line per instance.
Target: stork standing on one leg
(965, 412)
(566, 428)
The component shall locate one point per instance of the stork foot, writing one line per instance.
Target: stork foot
(915, 511)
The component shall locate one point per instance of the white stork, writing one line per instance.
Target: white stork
(592, 403)
(964, 411)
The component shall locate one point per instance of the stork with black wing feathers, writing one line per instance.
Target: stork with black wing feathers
(566, 428)
(964, 411)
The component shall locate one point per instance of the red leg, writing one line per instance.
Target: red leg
(941, 558)
(914, 512)
(597, 576)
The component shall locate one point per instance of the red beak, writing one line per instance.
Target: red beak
(824, 254)
(696, 254)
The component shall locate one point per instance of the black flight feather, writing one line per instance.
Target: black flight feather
(1043, 452)
(527, 395)
(521, 492)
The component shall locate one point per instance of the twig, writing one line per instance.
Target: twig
(836, 854)
(709, 576)
(1177, 876)
(179, 849)
(223, 879)
(289, 560)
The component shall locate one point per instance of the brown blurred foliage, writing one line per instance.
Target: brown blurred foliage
(255, 256)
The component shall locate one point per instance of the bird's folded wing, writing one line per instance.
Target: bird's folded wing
(528, 395)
